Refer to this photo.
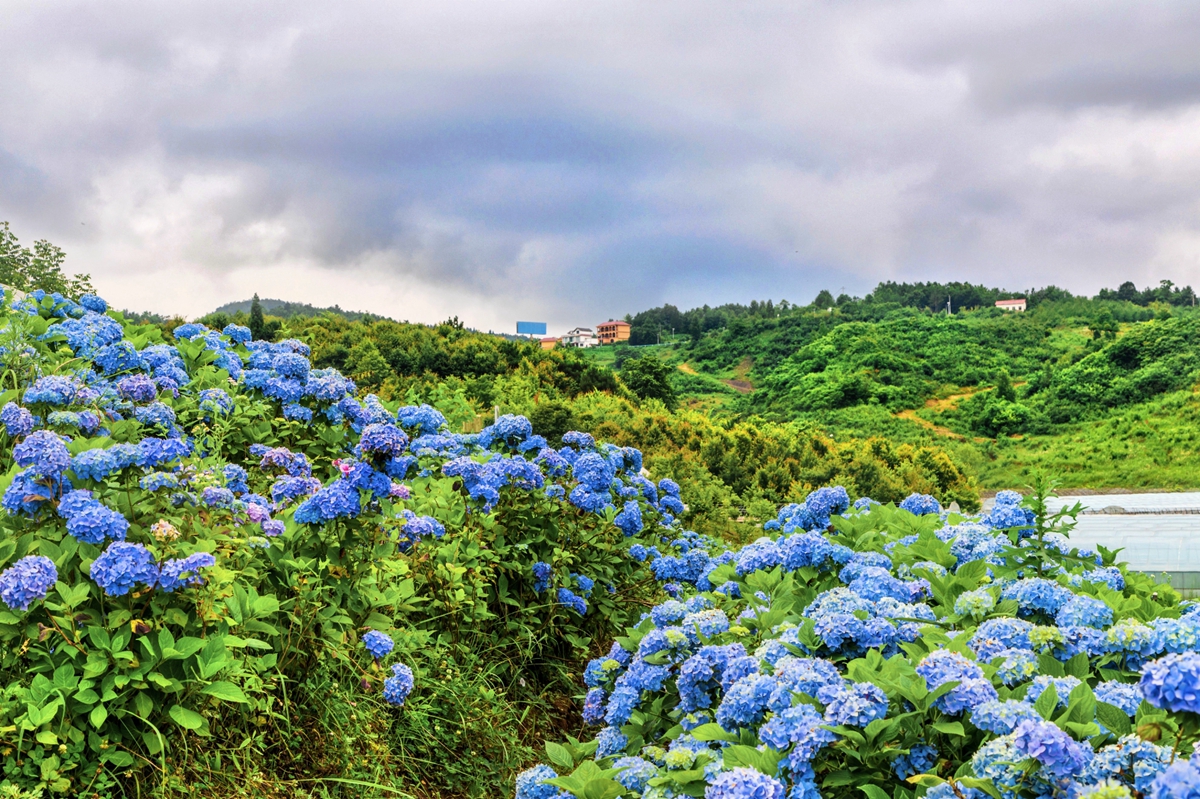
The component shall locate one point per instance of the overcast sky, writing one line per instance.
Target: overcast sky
(570, 162)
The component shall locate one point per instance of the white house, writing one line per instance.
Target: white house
(1011, 305)
(580, 337)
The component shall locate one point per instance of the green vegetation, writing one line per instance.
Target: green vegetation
(1068, 385)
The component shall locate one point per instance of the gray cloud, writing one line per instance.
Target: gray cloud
(572, 163)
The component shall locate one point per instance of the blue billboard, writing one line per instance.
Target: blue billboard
(531, 328)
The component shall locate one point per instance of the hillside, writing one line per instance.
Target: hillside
(1096, 390)
(287, 310)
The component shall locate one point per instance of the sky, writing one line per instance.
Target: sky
(572, 162)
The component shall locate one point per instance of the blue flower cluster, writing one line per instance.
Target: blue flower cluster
(726, 658)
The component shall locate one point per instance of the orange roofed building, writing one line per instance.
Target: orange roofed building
(612, 331)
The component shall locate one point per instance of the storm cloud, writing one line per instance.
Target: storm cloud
(572, 162)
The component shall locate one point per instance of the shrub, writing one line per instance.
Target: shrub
(208, 540)
(894, 653)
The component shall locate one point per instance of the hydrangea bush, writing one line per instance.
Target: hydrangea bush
(193, 523)
(893, 652)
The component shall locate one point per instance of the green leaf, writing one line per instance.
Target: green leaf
(602, 788)
(8, 548)
(98, 716)
(560, 755)
(143, 704)
(188, 719)
(1047, 702)
(987, 786)
(1048, 664)
(1078, 666)
(712, 732)
(226, 692)
(118, 757)
(1081, 707)
(874, 792)
(950, 728)
(1113, 719)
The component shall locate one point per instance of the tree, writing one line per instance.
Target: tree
(366, 365)
(650, 378)
(39, 268)
(257, 325)
(1004, 387)
(552, 418)
(824, 299)
(1127, 292)
(1103, 326)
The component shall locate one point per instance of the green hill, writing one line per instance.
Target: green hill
(287, 310)
(1093, 389)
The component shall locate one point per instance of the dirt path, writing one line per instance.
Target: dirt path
(687, 369)
(911, 415)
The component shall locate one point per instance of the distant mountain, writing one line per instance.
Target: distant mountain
(286, 310)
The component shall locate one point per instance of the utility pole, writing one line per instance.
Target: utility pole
(949, 311)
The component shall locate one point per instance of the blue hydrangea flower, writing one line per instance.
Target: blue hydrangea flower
(1057, 753)
(1002, 717)
(43, 453)
(417, 527)
(93, 303)
(1036, 594)
(238, 334)
(1173, 682)
(123, 566)
(95, 464)
(917, 760)
(397, 687)
(336, 500)
(531, 783)
(920, 504)
(181, 572)
(744, 783)
(27, 580)
(378, 644)
(634, 773)
(385, 440)
(1084, 611)
(576, 603)
(630, 518)
(854, 705)
(152, 452)
(610, 741)
(17, 421)
(1180, 780)
(977, 603)
(1018, 666)
(541, 576)
(942, 666)
(593, 706)
(92, 523)
(1063, 686)
(1120, 694)
(217, 497)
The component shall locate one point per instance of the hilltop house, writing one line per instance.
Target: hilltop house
(1011, 305)
(549, 342)
(579, 337)
(612, 331)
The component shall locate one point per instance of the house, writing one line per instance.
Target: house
(549, 342)
(612, 331)
(580, 337)
(1011, 305)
